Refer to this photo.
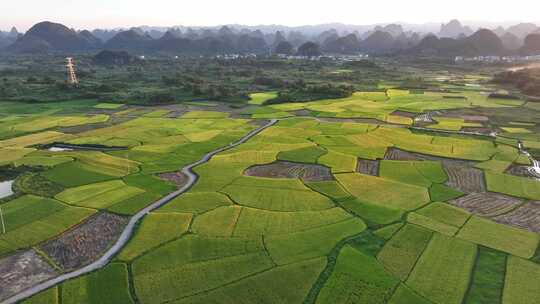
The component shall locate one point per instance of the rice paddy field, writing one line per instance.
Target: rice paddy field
(366, 199)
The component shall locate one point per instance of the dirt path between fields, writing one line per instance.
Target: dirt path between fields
(130, 227)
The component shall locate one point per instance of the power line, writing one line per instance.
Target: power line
(3, 224)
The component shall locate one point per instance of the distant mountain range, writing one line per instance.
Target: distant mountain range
(452, 39)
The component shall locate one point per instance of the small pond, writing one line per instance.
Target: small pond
(5, 189)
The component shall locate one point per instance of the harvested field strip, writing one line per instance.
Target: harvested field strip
(488, 277)
(304, 245)
(399, 255)
(156, 229)
(108, 285)
(526, 216)
(487, 204)
(388, 193)
(442, 272)
(512, 240)
(521, 283)
(84, 243)
(285, 169)
(357, 278)
(295, 280)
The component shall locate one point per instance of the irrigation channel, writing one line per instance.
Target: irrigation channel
(129, 229)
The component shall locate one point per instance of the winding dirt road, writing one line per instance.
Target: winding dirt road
(129, 229)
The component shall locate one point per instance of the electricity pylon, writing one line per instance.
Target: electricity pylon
(71, 76)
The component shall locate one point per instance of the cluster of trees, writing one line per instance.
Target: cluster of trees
(527, 80)
(300, 92)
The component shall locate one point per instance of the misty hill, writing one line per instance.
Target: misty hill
(454, 39)
(482, 42)
(454, 29)
(47, 37)
(132, 39)
(8, 38)
(522, 30)
(531, 45)
(113, 58)
(378, 42)
(511, 41)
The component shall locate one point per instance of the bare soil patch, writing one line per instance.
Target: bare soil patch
(522, 171)
(21, 271)
(87, 242)
(398, 154)
(465, 179)
(178, 178)
(367, 166)
(474, 118)
(526, 217)
(302, 112)
(284, 169)
(487, 204)
(404, 114)
(482, 130)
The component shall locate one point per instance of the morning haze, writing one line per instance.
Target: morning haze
(276, 152)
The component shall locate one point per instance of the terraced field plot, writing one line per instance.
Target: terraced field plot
(307, 211)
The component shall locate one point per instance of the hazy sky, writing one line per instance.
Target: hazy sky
(125, 13)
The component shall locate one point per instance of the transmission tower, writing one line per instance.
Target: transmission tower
(71, 76)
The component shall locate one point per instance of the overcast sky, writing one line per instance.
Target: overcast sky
(126, 13)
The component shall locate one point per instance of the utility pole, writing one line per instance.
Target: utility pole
(70, 69)
(3, 224)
